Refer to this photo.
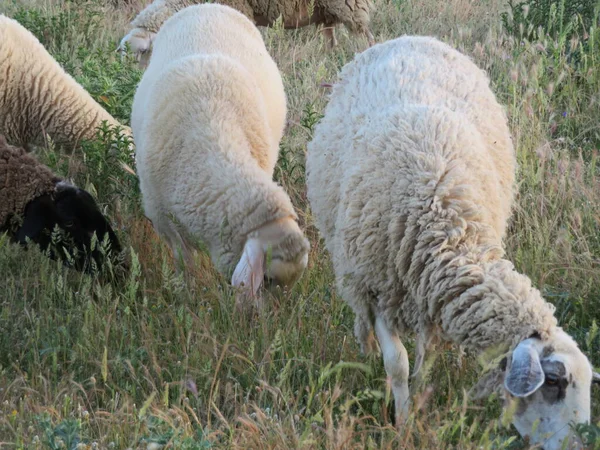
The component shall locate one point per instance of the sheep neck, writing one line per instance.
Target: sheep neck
(473, 295)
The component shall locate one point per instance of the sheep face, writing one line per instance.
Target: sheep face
(276, 253)
(288, 259)
(550, 381)
(140, 43)
(76, 214)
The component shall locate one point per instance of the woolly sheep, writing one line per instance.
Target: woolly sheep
(354, 14)
(411, 178)
(33, 201)
(37, 97)
(207, 119)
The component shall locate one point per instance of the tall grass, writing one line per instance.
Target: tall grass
(158, 360)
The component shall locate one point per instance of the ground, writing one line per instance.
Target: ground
(159, 360)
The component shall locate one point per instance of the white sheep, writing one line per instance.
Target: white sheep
(411, 178)
(207, 119)
(354, 14)
(38, 98)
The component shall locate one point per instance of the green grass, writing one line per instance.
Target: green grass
(158, 360)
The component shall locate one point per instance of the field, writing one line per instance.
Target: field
(158, 360)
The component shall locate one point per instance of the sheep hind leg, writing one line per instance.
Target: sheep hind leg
(363, 330)
(370, 38)
(329, 32)
(425, 346)
(395, 360)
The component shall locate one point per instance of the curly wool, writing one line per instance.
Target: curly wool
(207, 140)
(37, 97)
(22, 179)
(410, 176)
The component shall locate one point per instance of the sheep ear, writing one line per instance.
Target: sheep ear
(249, 271)
(526, 374)
(596, 378)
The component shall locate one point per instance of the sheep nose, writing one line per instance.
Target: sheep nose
(267, 282)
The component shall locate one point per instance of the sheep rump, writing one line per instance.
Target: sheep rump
(38, 97)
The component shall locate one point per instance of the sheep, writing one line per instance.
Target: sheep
(207, 119)
(411, 181)
(33, 201)
(354, 14)
(37, 97)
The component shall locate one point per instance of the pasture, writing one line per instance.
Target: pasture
(161, 360)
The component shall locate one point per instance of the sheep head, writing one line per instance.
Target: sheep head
(550, 382)
(76, 214)
(140, 42)
(277, 252)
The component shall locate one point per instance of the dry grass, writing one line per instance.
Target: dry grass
(157, 360)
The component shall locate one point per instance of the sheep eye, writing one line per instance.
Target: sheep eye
(551, 381)
(69, 223)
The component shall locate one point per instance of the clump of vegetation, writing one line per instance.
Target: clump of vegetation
(157, 359)
(528, 18)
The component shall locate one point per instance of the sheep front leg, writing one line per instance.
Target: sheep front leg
(182, 254)
(395, 360)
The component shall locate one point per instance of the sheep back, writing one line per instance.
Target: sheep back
(37, 97)
(412, 139)
(22, 178)
(224, 31)
(354, 14)
(206, 119)
(156, 13)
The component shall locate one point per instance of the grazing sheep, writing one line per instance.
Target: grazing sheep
(33, 201)
(207, 119)
(411, 178)
(354, 14)
(37, 97)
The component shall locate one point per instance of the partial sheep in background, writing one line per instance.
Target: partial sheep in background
(207, 119)
(33, 201)
(411, 179)
(38, 98)
(354, 14)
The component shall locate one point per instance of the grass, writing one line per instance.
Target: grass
(157, 361)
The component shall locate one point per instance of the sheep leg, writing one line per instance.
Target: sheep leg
(181, 252)
(184, 251)
(370, 38)
(425, 345)
(395, 361)
(363, 330)
(329, 32)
